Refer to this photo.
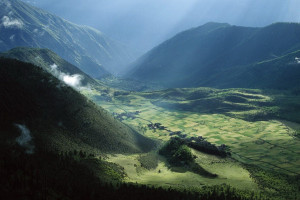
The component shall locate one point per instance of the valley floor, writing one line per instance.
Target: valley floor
(270, 143)
(229, 172)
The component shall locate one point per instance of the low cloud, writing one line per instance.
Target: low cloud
(297, 60)
(54, 67)
(74, 80)
(25, 139)
(7, 22)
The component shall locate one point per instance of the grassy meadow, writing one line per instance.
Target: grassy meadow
(257, 126)
(229, 172)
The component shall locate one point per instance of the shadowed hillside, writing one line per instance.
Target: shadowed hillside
(278, 73)
(46, 58)
(58, 116)
(202, 56)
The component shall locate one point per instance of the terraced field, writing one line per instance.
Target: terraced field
(231, 117)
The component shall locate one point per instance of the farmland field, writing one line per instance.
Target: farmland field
(260, 128)
(229, 172)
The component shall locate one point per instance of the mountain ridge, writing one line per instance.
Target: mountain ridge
(83, 46)
(46, 59)
(193, 56)
(59, 117)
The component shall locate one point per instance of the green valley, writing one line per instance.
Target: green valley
(211, 112)
(258, 126)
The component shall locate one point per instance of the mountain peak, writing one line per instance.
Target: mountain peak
(83, 46)
(194, 57)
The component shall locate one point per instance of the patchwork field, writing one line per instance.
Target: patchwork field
(230, 117)
(228, 171)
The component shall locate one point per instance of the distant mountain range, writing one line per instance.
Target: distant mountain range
(222, 55)
(94, 53)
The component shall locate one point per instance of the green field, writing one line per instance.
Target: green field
(229, 172)
(258, 127)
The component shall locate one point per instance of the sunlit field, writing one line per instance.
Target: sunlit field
(269, 144)
(228, 171)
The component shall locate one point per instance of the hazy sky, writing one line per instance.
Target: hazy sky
(142, 24)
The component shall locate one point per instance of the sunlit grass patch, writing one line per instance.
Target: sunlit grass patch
(242, 136)
(229, 172)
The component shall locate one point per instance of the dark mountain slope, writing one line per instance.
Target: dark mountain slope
(195, 56)
(58, 117)
(278, 73)
(85, 47)
(45, 58)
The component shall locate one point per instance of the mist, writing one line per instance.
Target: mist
(7, 22)
(74, 80)
(141, 25)
(25, 139)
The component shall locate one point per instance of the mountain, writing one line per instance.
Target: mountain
(278, 73)
(57, 116)
(47, 59)
(94, 53)
(194, 57)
